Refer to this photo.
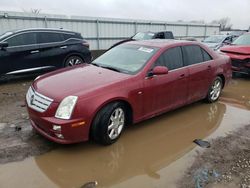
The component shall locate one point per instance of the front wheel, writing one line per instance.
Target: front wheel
(109, 123)
(215, 90)
(73, 60)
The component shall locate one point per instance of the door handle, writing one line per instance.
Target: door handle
(209, 67)
(64, 47)
(181, 76)
(34, 51)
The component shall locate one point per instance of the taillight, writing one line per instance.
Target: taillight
(86, 44)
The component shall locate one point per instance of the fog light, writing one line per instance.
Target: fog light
(59, 135)
(57, 128)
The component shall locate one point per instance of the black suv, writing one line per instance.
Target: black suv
(30, 50)
(147, 36)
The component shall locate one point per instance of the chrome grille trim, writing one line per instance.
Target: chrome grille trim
(37, 101)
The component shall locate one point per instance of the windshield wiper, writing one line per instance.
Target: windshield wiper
(106, 67)
(95, 64)
(111, 68)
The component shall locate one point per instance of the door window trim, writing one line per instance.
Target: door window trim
(39, 43)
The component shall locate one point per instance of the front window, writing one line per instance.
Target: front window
(143, 36)
(126, 58)
(22, 39)
(214, 39)
(242, 40)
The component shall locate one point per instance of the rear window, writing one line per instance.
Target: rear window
(68, 36)
(206, 56)
(49, 37)
(192, 54)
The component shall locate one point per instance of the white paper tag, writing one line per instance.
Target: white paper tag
(148, 50)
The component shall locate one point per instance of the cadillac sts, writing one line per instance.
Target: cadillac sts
(130, 83)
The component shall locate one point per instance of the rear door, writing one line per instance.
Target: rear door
(199, 64)
(22, 53)
(169, 91)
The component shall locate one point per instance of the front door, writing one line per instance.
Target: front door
(21, 55)
(165, 92)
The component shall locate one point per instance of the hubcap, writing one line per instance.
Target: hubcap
(216, 90)
(116, 123)
(74, 61)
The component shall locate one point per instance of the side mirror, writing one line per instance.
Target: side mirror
(227, 42)
(158, 70)
(3, 45)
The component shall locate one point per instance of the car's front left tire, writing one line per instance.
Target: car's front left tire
(109, 123)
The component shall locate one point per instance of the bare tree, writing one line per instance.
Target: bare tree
(225, 24)
(33, 11)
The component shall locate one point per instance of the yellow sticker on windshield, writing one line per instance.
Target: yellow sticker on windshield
(148, 50)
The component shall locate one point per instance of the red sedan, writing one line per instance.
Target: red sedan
(239, 52)
(129, 83)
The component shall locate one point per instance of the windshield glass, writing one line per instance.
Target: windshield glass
(143, 36)
(215, 39)
(242, 40)
(5, 35)
(126, 58)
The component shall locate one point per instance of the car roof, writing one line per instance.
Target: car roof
(161, 43)
(43, 29)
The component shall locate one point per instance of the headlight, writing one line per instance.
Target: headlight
(66, 107)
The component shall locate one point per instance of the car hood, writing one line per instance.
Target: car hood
(76, 81)
(244, 50)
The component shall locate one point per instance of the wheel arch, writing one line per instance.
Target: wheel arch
(222, 78)
(72, 54)
(113, 100)
(124, 101)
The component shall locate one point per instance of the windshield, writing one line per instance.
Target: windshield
(143, 36)
(5, 35)
(242, 40)
(215, 39)
(126, 58)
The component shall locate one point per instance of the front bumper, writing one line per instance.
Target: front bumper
(240, 66)
(71, 134)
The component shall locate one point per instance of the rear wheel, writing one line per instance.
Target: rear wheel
(215, 90)
(73, 60)
(109, 123)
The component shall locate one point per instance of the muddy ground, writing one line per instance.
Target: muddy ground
(225, 164)
(17, 138)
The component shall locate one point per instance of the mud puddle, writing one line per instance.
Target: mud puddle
(154, 153)
(145, 156)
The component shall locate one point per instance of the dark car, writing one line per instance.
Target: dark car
(31, 50)
(217, 41)
(239, 52)
(129, 83)
(147, 36)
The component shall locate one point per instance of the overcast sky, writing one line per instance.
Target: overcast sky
(167, 10)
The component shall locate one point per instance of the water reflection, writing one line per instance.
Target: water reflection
(238, 93)
(143, 149)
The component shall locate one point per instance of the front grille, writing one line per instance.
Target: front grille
(37, 101)
(238, 63)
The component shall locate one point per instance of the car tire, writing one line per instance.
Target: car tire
(215, 90)
(109, 123)
(73, 60)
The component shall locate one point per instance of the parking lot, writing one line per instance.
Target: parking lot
(154, 153)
